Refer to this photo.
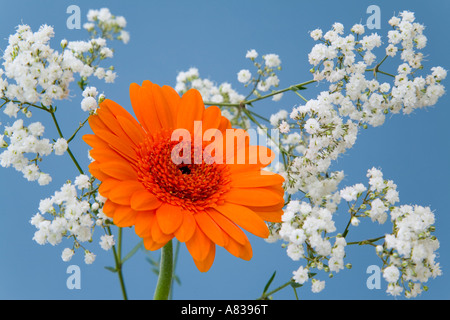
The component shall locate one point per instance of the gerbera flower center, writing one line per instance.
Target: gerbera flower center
(194, 185)
(184, 169)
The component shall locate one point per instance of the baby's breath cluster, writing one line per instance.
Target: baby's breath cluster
(19, 140)
(33, 72)
(409, 252)
(361, 91)
(73, 212)
(102, 23)
(222, 93)
(34, 76)
(366, 90)
(266, 77)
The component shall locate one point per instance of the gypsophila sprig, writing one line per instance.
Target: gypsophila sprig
(35, 76)
(362, 77)
(361, 91)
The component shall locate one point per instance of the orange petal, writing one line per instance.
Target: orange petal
(173, 100)
(260, 155)
(122, 191)
(246, 251)
(237, 146)
(94, 141)
(228, 226)
(124, 216)
(205, 265)
(187, 228)
(113, 125)
(96, 123)
(224, 124)
(152, 245)
(257, 197)
(109, 208)
(118, 144)
(233, 247)
(169, 218)
(118, 110)
(211, 118)
(243, 251)
(120, 170)
(250, 179)
(210, 228)
(94, 169)
(270, 216)
(107, 186)
(144, 220)
(134, 132)
(199, 245)
(160, 104)
(258, 158)
(105, 155)
(144, 201)
(158, 235)
(245, 218)
(144, 109)
(190, 110)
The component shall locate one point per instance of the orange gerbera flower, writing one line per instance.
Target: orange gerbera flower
(204, 195)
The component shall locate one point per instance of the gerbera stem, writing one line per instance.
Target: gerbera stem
(164, 283)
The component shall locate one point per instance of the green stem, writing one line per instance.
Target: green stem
(245, 102)
(164, 284)
(368, 241)
(266, 295)
(294, 87)
(68, 149)
(175, 259)
(117, 259)
(78, 129)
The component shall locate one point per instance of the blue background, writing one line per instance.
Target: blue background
(170, 36)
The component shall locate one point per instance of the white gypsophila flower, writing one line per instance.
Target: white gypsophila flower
(244, 76)
(124, 36)
(68, 217)
(295, 252)
(36, 129)
(394, 289)
(110, 76)
(277, 97)
(208, 90)
(284, 127)
(317, 286)
(67, 254)
(391, 274)
(107, 242)
(358, 29)
(90, 92)
(378, 211)
(277, 117)
(312, 126)
(439, 73)
(301, 275)
(355, 221)
(251, 54)
(11, 109)
(328, 125)
(89, 104)
(316, 34)
(36, 219)
(272, 60)
(89, 257)
(82, 181)
(60, 146)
